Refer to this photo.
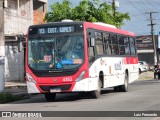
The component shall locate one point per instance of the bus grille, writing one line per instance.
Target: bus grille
(62, 87)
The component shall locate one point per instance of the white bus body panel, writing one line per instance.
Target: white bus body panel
(32, 88)
(88, 84)
(113, 69)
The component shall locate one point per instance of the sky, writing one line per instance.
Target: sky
(138, 11)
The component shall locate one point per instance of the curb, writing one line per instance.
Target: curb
(16, 89)
(15, 86)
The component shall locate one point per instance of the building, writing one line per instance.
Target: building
(18, 16)
(145, 48)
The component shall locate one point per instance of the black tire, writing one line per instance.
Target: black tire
(50, 97)
(117, 89)
(140, 71)
(124, 87)
(97, 93)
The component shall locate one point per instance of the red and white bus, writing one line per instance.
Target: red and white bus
(64, 57)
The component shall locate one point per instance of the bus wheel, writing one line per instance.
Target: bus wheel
(124, 88)
(140, 71)
(97, 93)
(50, 97)
(117, 88)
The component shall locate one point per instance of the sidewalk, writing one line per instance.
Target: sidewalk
(16, 87)
(149, 75)
(15, 83)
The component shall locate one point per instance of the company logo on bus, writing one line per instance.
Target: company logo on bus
(54, 80)
(118, 66)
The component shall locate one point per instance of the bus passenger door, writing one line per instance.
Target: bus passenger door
(93, 68)
(91, 46)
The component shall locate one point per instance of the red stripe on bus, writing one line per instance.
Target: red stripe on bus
(131, 60)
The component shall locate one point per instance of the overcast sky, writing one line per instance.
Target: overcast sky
(138, 10)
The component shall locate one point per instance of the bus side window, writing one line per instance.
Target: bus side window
(121, 45)
(107, 42)
(132, 46)
(91, 51)
(91, 54)
(115, 49)
(127, 46)
(99, 43)
(122, 50)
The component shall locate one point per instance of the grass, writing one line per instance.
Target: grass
(146, 75)
(8, 97)
(147, 78)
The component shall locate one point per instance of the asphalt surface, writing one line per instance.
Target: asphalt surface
(143, 95)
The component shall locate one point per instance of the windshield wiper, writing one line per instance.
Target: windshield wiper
(63, 42)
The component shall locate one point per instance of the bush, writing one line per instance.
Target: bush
(8, 97)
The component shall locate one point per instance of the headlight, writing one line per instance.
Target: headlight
(80, 77)
(30, 79)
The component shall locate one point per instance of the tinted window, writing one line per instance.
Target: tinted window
(132, 46)
(121, 45)
(127, 46)
(107, 45)
(99, 43)
(115, 49)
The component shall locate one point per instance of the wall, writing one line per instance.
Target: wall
(18, 16)
(39, 11)
(38, 17)
(14, 62)
(148, 57)
(145, 48)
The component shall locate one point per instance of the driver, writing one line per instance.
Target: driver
(79, 50)
(71, 54)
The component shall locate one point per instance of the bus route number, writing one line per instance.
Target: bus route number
(42, 31)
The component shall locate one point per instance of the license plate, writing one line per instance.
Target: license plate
(55, 90)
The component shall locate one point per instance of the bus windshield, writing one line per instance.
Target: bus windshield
(52, 53)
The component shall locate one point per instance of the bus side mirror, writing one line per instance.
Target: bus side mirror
(92, 41)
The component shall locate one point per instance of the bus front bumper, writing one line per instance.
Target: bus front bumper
(88, 84)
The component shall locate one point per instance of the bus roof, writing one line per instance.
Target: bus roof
(56, 24)
(108, 29)
(103, 27)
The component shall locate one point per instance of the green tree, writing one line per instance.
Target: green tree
(78, 10)
(59, 11)
(119, 19)
(86, 10)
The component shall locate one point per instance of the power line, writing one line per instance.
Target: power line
(142, 5)
(151, 3)
(135, 6)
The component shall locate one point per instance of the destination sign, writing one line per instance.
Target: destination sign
(51, 30)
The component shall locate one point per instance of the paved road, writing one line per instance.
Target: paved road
(142, 96)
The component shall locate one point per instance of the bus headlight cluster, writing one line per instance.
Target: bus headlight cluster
(30, 79)
(80, 77)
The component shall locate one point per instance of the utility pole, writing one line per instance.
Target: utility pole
(114, 8)
(2, 48)
(153, 38)
(115, 4)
